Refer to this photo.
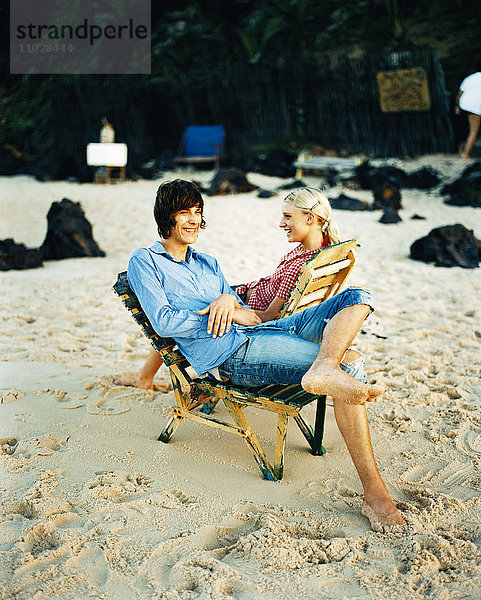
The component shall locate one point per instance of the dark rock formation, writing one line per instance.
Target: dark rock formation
(371, 177)
(423, 179)
(155, 167)
(387, 195)
(265, 194)
(343, 202)
(276, 163)
(292, 185)
(69, 233)
(390, 216)
(448, 246)
(418, 218)
(230, 181)
(17, 256)
(465, 191)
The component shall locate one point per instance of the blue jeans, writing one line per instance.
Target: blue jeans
(281, 351)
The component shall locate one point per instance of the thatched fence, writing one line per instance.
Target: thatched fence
(333, 103)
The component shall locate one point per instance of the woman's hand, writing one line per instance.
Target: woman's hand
(272, 311)
(221, 313)
(246, 316)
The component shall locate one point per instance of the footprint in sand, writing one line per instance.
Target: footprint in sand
(11, 395)
(284, 540)
(172, 499)
(62, 397)
(39, 538)
(48, 444)
(114, 400)
(117, 486)
(242, 522)
(8, 445)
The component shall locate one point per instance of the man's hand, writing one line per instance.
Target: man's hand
(221, 313)
(246, 316)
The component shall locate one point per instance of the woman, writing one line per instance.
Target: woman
(306, 219)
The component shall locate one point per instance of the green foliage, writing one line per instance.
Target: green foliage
(25, 102)
(202, 49)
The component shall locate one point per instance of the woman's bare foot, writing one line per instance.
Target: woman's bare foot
(135, 380)
(383, 516)
(323, 378)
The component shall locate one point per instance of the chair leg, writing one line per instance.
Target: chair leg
(314, 436)
(181, 401)
(169, 429)
(209, 405)
(251, 440)
(280, 444)
(317, 448)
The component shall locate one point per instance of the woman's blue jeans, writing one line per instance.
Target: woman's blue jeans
(281, 351)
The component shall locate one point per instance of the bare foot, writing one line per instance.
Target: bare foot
(135, 380)
(323, 378)
(384, 516)
(466, 156)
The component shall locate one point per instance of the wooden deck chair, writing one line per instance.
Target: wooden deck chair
(320, 278)
(202, 143)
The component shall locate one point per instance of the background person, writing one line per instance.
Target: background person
(469, 101)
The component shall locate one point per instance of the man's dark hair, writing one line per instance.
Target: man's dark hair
(171, 197)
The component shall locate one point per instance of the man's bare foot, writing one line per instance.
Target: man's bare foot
(383, 516)
(466, 156)
(323, 378)
(135, 380)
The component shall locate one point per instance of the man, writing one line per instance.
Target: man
(186, 297)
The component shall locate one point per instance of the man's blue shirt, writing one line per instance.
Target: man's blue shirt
(171, 292)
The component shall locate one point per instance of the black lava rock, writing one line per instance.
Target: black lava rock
(448, 246)
(18, 256)
(292, 185)
(343, 202)
(423, 179)
(387, 195)
(230, 180)
(276, 163)
(265, 194)
(69, 233)
(371, 177)
(465, 191)
(390, 216)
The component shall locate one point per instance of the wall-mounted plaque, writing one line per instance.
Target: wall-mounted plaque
(404, 90)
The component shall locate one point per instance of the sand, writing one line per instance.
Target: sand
(92, 506)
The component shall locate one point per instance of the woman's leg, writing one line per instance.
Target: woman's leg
(145, 377)
(325, 375)
(333, 325)
(473, 121)
(378, 506)
(272, 355)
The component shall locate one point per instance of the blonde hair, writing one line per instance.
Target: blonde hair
(311, 200)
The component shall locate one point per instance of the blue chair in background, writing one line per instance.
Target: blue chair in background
(202, 143)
